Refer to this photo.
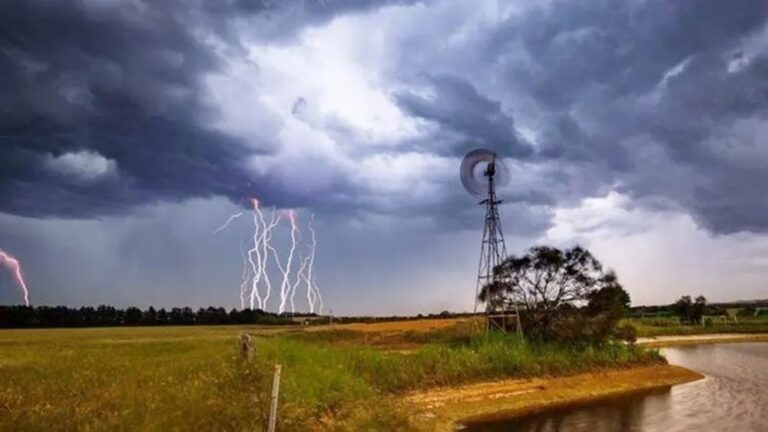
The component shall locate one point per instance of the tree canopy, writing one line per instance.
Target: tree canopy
(561, 294)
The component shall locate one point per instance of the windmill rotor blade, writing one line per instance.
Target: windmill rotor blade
(474, 170)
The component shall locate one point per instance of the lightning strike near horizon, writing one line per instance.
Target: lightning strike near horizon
(274, 220)
(285, 286)
(319, 296)
(299, 278)
(13, 265)
(245, 278)
(256, 249)
(259, 254)
(229, 221)
(255, 283)
(313, 292)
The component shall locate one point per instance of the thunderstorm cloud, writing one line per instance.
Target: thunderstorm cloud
(120, 119)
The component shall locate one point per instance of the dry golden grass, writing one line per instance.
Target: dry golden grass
(425, 325)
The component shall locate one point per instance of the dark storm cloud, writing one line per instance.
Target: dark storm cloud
(102, 105)
(622, 47)
(118, 85)
(626, 85)
(458, 107)
(115, 82)
(623, 89)
(279, 20)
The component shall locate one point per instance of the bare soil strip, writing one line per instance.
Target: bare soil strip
(516, 397)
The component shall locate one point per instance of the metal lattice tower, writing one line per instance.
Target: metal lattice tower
(480, 174)
(492, 249)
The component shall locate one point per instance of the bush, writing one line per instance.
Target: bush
(626, 332)
(747, 312)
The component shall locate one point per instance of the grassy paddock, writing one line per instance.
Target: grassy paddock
(184, 378)
(648, 327)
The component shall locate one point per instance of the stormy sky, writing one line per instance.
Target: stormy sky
(131, 130)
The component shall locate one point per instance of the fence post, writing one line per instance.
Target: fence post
(245, 346)
(275, 394)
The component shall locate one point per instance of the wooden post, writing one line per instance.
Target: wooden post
(245, 346)
(275, 395)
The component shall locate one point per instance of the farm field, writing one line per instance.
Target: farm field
(650, 327)
(341, 377)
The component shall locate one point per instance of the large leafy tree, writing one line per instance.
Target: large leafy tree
(558, 292)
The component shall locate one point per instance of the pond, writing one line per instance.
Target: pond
(733, 396)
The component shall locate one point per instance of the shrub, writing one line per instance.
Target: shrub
(626, 332)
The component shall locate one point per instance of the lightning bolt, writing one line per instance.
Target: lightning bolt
(310, 294)
(229, 221)
(257, 256)
(319, 296)
(265, 248)
(299, 277)
(313, 291)
(256, 285)
(246, 276)
(256, 249)
(286, 270)
(15, 268)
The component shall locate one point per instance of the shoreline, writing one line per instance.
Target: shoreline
(681, 340)
(447, 408)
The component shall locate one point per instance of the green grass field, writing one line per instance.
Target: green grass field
(648, 327)
(193, 378)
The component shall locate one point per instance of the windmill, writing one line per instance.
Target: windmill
(481, 172)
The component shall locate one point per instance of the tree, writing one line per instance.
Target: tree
(107, 315)
(150, 317)
(605, 308)
(187, 315)
(611, 298)
(553, 288)
(133, 316)
(162, 317)
(683, 307)
(176, 317)
(699, 308)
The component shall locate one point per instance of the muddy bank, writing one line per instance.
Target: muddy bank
(448, 407)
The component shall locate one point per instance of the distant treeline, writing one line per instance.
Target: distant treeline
(108, 316)
(686, 308)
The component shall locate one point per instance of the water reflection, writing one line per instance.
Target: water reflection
(734, 396)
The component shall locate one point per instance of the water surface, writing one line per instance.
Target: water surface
(733, 397)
